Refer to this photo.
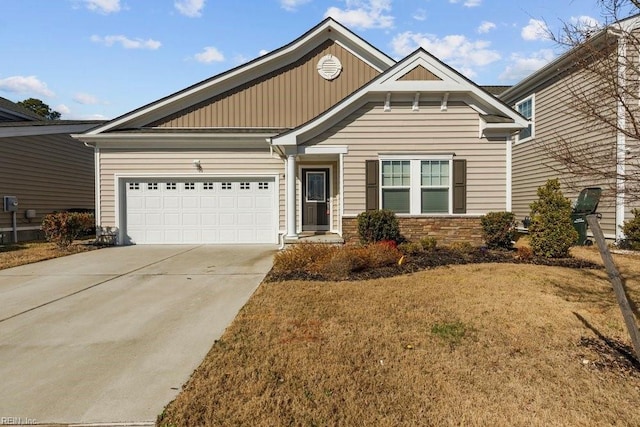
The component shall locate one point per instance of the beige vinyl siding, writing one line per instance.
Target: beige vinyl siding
(555, 121)
(419, 73)
(371, 131)
(47, 173)
(285, 98)
(180, 162)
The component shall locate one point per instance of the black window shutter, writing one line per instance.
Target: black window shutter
(459, 186)
(372, 176)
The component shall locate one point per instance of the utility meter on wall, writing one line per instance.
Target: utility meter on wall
(10, 203)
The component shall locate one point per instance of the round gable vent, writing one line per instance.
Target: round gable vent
(329, 67)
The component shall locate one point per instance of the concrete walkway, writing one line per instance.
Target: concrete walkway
(110, 336)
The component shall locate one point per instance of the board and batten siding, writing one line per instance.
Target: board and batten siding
(371, 131)
(285, 98)
(555, 121)
(47, 173)
(172, 162)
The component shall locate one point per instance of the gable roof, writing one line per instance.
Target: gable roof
(328, 29)
(449, 86)
(565, 61)
(11, 111)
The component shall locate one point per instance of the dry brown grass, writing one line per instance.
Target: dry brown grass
(14, 255)
(476, 345)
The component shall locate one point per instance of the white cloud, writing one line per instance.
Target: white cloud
(103, 6)
(420, 15)
(190, 8)
(126, 42)
(485, 27)
(292, 5)
(468, 3)
(456, 50)
(263, 52)
(521, 66)
(62, 109)
(239, 59)
(585, 24)
(25, 84)
(535, 30)
(363, 14)
(85, 99)
(208, 55)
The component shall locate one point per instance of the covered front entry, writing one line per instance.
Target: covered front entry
(316, 206)
(202, 210)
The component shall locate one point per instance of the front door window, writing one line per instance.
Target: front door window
(316, 191)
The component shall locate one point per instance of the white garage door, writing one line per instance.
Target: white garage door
(171, 210)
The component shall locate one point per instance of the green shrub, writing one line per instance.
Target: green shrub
(631, 230)
(461, 247)
(499, 229)
(426, 244)
(62, 228)
(551, 230)
(375, 226)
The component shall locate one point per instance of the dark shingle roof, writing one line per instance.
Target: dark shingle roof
(495, 90)
(19, 110)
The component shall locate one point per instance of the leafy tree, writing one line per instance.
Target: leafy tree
(551, 231)
(40, 108)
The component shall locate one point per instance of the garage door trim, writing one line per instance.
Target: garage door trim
(121, 194)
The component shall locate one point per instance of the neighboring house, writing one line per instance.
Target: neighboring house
(43, 167)
(304, 139)
(550, 99)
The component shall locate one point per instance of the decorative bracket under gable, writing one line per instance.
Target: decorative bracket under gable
(416, 102)
(443, 104)
(387, 102)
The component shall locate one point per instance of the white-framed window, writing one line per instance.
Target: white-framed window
(208, 186)
(171, 186)
(416, 186)
(189, 185)
(152, 186)
(526, 108)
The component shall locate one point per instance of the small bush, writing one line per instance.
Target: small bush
(461, 247)
(375, 226)
(551, 231)
(62, 228)
(424, 245)
(631, 230)
(343, 262)
(524, 253)
(499, 229)
(305, 257)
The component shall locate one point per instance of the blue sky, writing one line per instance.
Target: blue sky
(102, 58)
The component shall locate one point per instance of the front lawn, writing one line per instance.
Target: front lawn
(16, 254)
(475, 344)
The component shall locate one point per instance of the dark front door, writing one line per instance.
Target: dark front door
(315, 199)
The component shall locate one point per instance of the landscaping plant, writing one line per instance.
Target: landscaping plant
(551, 230)
(378, 225)
(631, 230)
(499, 229)
(62, 228)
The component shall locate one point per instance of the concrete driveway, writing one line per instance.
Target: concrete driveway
(110, 336)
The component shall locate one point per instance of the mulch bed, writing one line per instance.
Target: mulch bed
(610, 355)
(437, 258)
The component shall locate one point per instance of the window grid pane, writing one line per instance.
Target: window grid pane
(435, 173)
(396, 173)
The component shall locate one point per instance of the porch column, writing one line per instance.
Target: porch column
(291, 197)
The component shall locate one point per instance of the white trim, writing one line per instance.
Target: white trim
(531, 120)
(417, 156)
(509, 175)
(120, 191)
(621, 139)
(386, 84)
(324, 149)
(341, 190)
(415, 184)
(302, 166)
(290, 200)
(98, 202)
(329, 29)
